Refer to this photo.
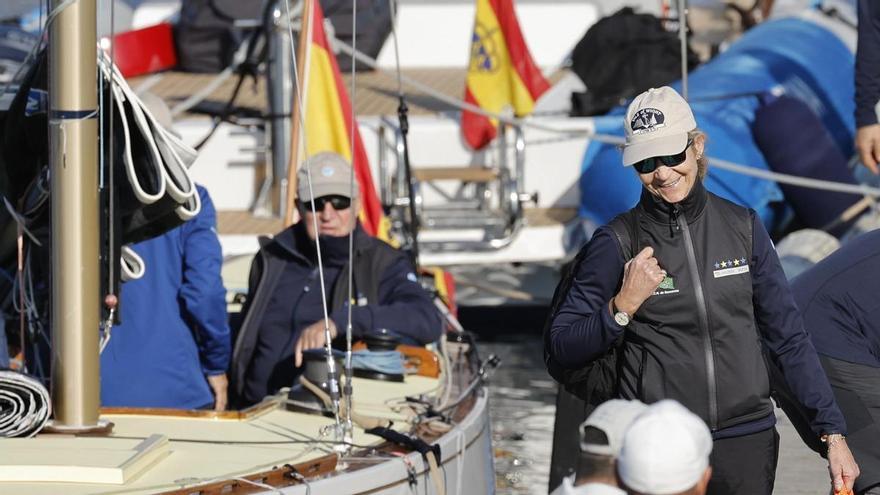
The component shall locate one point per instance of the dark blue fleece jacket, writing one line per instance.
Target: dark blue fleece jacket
(840, 301)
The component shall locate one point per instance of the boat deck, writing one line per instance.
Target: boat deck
(375, 92)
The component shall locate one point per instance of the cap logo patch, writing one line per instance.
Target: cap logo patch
(327, 171)
(647, 120)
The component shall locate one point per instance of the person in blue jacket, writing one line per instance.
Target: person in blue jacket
(838, 298)
(867, 79)
(284, 312)
(689, 288)
(173, 344)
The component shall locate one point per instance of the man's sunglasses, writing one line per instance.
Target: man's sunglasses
(648, 165)
(338, 202)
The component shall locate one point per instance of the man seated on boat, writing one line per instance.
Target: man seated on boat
(284, 312)
(601, 439)
(666, 452)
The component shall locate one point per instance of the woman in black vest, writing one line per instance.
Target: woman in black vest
(690, 286)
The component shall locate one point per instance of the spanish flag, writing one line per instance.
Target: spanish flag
(501, 71)
(328, 121)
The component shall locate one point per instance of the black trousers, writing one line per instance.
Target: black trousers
(857, 390)
(744, 465)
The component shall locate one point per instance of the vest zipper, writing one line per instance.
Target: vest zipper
(642, 365)
(703, 316)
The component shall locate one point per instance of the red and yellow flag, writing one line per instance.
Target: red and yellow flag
(328, 123)
(501, 73)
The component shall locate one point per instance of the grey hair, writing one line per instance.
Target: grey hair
(702, 161)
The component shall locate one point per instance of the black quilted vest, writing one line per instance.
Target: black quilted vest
(695, 339)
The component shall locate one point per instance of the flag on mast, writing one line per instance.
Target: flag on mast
(501, 72)
(328, 120)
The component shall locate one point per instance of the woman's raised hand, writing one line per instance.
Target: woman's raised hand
(641, 276)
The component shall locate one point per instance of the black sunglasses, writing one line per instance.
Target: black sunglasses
(648, 165)
(338, 202)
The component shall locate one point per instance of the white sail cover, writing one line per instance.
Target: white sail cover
(25, 406)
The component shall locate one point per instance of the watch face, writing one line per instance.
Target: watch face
(621, 318)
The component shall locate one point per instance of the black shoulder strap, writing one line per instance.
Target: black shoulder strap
(626, 229)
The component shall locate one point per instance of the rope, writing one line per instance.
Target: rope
(439, 483)
(365, 422)
(387, 362)
(259, 485)
(795, 180)
(39, 44)
(20, 220)
(197, 97)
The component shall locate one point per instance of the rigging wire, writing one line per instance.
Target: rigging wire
(50, 18)
(333, 379)
(610, 138)
(347, 391)
(404, 130)
(110, 299)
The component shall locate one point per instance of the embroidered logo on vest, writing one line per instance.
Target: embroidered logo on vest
(667, 286)
(727, 267)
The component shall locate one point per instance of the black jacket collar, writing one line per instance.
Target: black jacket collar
(295, 242)
(661, 211)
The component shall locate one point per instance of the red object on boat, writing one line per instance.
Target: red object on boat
(144, 51)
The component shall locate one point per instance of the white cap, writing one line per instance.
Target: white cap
(666, 450)
(657, 123)
(602, 432)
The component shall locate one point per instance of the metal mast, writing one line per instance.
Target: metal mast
(73, 156)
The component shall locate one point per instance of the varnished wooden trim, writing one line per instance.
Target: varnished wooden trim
(253, 411)
(279, 477)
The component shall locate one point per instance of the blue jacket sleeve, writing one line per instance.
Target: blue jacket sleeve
(404, 308)
(783, 333)
(867, 73)
(203, 298)
(583, 327)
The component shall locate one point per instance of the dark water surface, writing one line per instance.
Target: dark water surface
(522, 395)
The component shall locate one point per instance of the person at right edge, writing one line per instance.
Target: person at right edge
(867, 78)
(838, 301)
(692, 309)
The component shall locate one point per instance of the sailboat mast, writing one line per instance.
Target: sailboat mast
(297, 143)
(73, 156)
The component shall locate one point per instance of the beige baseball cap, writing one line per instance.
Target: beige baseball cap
(602, 432)
(331, 175)
(657, 123)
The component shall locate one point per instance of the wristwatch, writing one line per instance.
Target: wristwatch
(621, 317)
(830, 439)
